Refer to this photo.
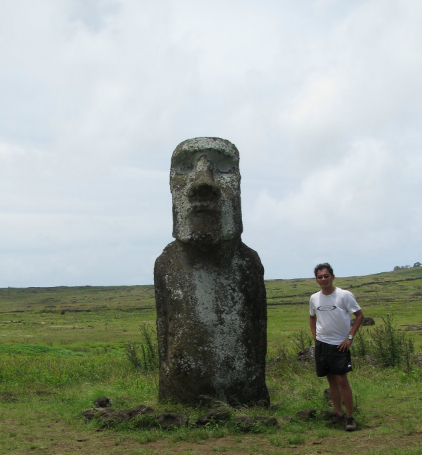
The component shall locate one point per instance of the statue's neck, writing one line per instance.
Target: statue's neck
(218, 253)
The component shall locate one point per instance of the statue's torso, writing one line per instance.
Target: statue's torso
(211, 322)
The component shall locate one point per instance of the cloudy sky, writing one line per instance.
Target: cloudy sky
(323, 99)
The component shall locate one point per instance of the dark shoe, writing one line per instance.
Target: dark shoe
(337, 418)
(350, 424)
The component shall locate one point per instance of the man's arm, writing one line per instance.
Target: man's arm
(312, 323)
(357, 323)
(345, 346)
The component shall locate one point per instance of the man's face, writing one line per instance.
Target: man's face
(324, 279)
(205, 186)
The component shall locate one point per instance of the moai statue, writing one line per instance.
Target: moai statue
(209, 286)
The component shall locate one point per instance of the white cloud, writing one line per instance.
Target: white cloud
(353, 208)
(322, 98)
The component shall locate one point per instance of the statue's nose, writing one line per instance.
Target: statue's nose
(204, 185)
(204, 171)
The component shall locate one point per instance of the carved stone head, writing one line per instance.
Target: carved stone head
(205, 187)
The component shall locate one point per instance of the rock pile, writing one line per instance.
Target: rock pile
(169, 421)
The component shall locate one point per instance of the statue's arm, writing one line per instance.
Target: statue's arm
(262, 308)
(259, 303)
(161, 307)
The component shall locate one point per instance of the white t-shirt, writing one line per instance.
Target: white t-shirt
(333, 315)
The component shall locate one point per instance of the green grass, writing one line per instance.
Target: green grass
(61, 348)
(35, 350)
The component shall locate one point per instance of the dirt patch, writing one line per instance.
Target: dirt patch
(358, 442)
(411, 328)
(58, 437)
(7, 397)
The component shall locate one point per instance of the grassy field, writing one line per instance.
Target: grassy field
(61, 348)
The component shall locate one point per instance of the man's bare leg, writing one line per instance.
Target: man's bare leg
(340, 390)
(346, 393)
(335, 392)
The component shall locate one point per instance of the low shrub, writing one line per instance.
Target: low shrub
(390, 346)
(362, 345)
(386, 345)
(302, 340)
(143, 355)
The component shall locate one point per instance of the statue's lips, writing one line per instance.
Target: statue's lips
(204, 206)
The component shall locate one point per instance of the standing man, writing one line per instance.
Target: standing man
(330, 311)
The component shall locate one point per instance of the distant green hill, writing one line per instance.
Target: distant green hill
(398, 286)
(99, 316)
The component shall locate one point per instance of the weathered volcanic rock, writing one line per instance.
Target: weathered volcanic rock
(215, 415)
(170, 420)
(102, 402)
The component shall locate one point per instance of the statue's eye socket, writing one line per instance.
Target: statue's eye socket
(225, 166)
(217, 161)
(183, 166)
(222, 163)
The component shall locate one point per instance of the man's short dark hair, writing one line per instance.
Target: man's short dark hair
(325, 265)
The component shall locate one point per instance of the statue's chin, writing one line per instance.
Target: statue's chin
(201, 240)
(205, 240)
(207, 230)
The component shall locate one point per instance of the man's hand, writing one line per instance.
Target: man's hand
(345, 345)
(358, 321)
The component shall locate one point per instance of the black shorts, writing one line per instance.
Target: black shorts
(328, 359)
